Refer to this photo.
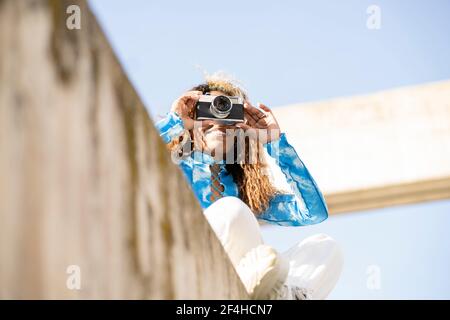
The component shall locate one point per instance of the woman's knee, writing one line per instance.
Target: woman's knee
(232, 215)
(235, 225)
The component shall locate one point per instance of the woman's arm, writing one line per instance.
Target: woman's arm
(176, 124)
(179, 118)
(170, 127)
(306, 205)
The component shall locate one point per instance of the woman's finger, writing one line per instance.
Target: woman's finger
(256, 121)
(255, 112)
(264, 107)
(194, 92)
(243, 126)
(250, 119)
(207, 123)
(190, 96)
(251, 109)
(258, 114)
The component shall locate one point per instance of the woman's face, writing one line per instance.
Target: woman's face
(214, 137)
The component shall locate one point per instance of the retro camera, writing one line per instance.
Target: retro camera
(222, 108)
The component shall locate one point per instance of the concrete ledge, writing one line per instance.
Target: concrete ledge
(377, 150)
(85, 179)
(405, 193)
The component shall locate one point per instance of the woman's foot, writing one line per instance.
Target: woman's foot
(292, 292)
(315, 265)
(263, 272)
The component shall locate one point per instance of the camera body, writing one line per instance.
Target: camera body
(225, 109)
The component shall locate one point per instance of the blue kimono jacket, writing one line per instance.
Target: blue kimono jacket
(304, 205)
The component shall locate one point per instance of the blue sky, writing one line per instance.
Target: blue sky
(284, 51)
(295, 51)
(409, 244)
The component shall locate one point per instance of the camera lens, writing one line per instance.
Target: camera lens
(222, 103)
(221, 106)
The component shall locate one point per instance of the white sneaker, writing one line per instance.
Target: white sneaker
(315, 265)
(292, 292)
(263, 272)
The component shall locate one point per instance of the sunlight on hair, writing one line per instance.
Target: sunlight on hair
(221, 77)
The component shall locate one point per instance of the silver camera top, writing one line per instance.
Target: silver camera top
(220, 106)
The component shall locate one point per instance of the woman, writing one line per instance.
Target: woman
(237, 193)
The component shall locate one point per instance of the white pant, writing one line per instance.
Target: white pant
(315, 263)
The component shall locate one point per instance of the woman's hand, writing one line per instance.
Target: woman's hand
(184, 107)
(260, 119)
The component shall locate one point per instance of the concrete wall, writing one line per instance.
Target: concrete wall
(85, 179)
(376, 150)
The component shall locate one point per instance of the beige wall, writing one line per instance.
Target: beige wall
(85, 179)
(376, 150)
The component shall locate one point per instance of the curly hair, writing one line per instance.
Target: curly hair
(255, 188)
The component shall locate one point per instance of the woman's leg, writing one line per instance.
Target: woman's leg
(315, 267)
(235, 225)
(259, 266)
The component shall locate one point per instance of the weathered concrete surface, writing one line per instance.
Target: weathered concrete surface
(85, 179)
(377, 150)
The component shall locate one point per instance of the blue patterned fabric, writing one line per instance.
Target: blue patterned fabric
(304, 205)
